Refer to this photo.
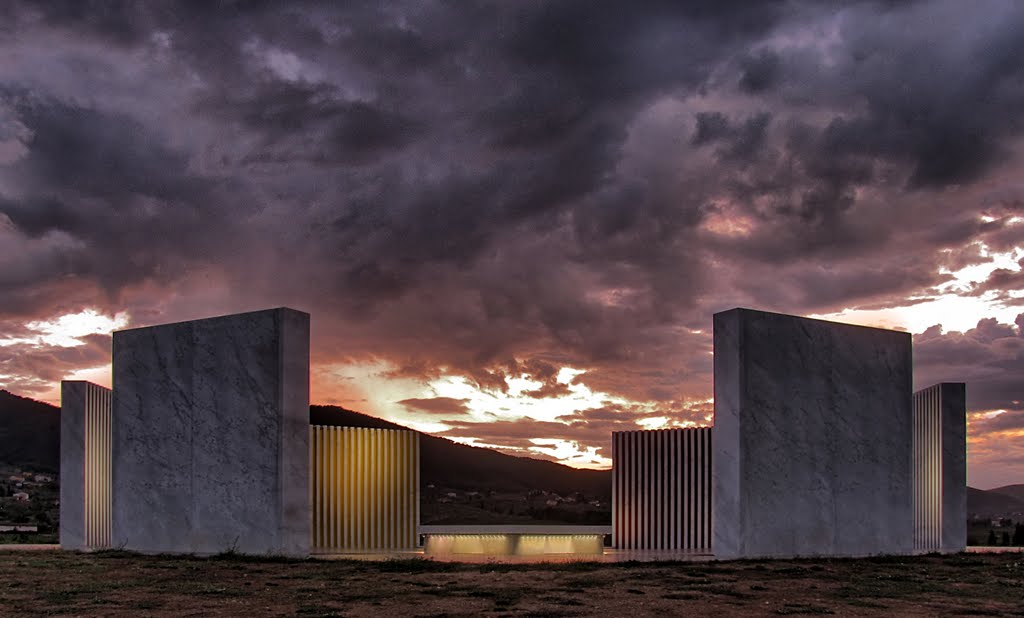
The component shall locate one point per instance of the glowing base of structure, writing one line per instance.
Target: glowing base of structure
(537, 542)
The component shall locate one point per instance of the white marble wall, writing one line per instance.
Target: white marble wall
(210, 435)
(812, 438)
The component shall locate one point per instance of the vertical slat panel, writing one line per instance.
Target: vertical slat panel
(97, 496)
(661, 489)
(342, 484)
(416, 482)
(321, 487)
(656, 518)
(705, 435)
(698, 491)
(107, 480)
(931, 468)
(330, 470)
(927, 493)
(328, 481)
(936, 469)
(671, 497)
(404, 483)
(314, 479)
(312, 490)
(89, 538)
(377, 470)
(317, 482)
(916, 484)
(648, 492)
(692, 482)
(364, 489)
(383, 515)
(616, 469)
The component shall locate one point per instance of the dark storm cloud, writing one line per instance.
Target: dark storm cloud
(128, 207)
(988, 357)
(503, 189)
(350, 132)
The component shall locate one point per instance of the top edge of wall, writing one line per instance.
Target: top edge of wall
(212, 318)
(663, 429)
(800, 317)
(106, 388)
(363, 428)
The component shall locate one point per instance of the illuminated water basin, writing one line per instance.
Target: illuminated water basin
(514, 540)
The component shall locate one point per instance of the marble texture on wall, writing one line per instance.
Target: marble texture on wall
(812, 438)
(211, 435)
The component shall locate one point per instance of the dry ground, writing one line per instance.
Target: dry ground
(54, 583)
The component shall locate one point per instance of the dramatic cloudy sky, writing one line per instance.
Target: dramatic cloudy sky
(512, 221)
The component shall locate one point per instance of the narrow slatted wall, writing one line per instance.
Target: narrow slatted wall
(364, 489)
(927, 452)
(97, 466)
(661, 489)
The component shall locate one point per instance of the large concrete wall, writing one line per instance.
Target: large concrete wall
(661, 490)
(211, 435)
(85, 460)
(940, 467)
(812, 438)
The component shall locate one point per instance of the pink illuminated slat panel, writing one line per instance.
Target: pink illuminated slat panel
(927, 466)
(661, 490)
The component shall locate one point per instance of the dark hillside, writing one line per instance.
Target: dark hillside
(451, 464)
(29, 433)
(1014, 491)
(992, 503)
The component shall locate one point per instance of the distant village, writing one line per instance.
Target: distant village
(447, 505)
(30, 503)
(29, 506)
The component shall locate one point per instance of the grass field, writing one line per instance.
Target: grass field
(48, 583)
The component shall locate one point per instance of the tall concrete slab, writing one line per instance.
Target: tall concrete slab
(812, 438)
(940, 467)
(211, 435)
(85, 459)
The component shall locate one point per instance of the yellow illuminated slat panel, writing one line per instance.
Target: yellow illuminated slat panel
(366, 489)
(97, 466)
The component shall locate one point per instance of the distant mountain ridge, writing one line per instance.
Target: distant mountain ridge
(993, 503)
(30, 438)
(1014, 491)
(29, 433)
(473, 468)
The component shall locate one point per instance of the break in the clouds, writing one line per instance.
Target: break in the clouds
(516, 219)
